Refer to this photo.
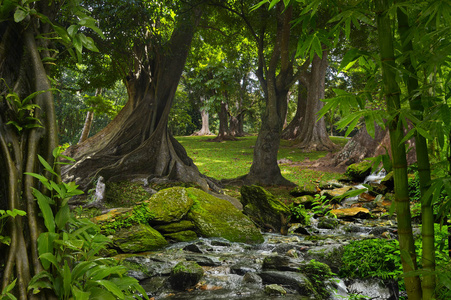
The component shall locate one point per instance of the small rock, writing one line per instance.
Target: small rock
(353, 212)
(193, 248)
(253, 278)
(202, 260)
(274, 289)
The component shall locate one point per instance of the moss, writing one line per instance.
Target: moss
(138, 238)
(169, 205)
(140, 214)
(182, 236)
(359, 171)
(215, 217)
(124, 194)
(318, 273)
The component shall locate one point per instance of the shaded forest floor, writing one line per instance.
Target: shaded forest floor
(231, 159)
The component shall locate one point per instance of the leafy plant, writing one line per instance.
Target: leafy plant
(321, 206)
(371, 258)
(299, 214)
(141, 214)
(71, 249)
(4, 214)
(6, 295)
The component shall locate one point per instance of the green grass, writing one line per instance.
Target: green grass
(231, 159)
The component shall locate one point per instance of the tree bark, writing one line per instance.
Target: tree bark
(205, 117)
(264, 169)
(313, 135)
(224, 132)
(137, 143)
(88, 123)
(294, 128)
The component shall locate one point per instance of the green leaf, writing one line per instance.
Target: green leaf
(79, 294)
(41, 178)
(51, 258)
(72, 30)
(62, 217)
(273, 3)
(369, 124)
(10, 286)
(67, 279)
(100, 294)
(46, 165)
(45, 245)
(111, 287)
(19, 15)
(46, 210)
(80, 269)
(78, 45)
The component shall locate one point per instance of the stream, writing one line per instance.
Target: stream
(237, 271)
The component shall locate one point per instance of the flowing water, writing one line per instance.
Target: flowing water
(231, 270)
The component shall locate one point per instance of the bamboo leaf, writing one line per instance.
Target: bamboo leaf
(79, 294)
(111, 288)
(67, 279)
(45, 245)
(62, 217)
(46, 165)
(41, 178)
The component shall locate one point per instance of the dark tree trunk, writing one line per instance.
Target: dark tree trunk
(313, 135)
(137, 143)
(23, 73)
(224, 132)
(264, 169)
(294, 128)
(236, 125)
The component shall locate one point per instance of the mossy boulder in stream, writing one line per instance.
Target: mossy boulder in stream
(264, 209)
(185, 275)
(138, 238)
(216, 217)
(359, 171)
(169, 205)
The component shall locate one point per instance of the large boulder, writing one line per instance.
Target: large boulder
(264, 209)
(214, 217)
(169, 205)
(138, 238)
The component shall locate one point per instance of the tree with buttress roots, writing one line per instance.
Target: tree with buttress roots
(137, 144)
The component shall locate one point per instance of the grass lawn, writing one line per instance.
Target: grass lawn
(230, 159)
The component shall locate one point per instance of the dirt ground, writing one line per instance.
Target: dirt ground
(323, 164)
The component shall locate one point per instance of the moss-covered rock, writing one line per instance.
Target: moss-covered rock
(264, 209)
(138, 238)
(215, 217)
(306, 201)
(185, 275)
(328, 223)
(183, 225)
(359, 171)
(169, 205)
(318, 273)
(125, 193)
(309, 188)
(388, 180)
(181, 236)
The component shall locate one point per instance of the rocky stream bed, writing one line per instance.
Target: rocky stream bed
(302, 263)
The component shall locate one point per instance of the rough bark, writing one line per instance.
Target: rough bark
(137, 143)
(224, 132)
(23, 72)
(88, 123)
(276, 80)
(313, 135)
(294, 128)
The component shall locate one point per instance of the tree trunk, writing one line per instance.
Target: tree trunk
(294, 128)
(23, 73)
(313, 135)
(86, 126)
(137, 143)
(392, 91)
(264, 169)
(205, 117)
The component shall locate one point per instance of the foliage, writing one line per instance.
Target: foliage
(70, 251)
(318, 273)
(299, 214)
(371, 258)
(6, 293)
(4, 214)
(141, 214)
(321, 206)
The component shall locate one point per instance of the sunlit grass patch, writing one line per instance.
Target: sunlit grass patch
(231, 159)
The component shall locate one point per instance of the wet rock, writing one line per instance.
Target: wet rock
(252, 278)
(328, 223)
(309, 188)
(220, 243)
(193, 248)
(182, 236)
(203, 260)
(358, 171)
(113, 214)
(301, 230)
(336, 192)
(388, 181)
(138, 238)
(280, 263)
(372, 288)
(185, 274)
(264, 209)
(145, 266)
(274, 289)
(353, 212)
(330, 255)
(215, 217)
(296, 281)
(244, 266)
(169, 205)
(183, 225)
(306, 201)
(330, 185)
(154, 284)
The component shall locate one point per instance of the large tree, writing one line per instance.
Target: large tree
(27, 121)
(137, 143)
